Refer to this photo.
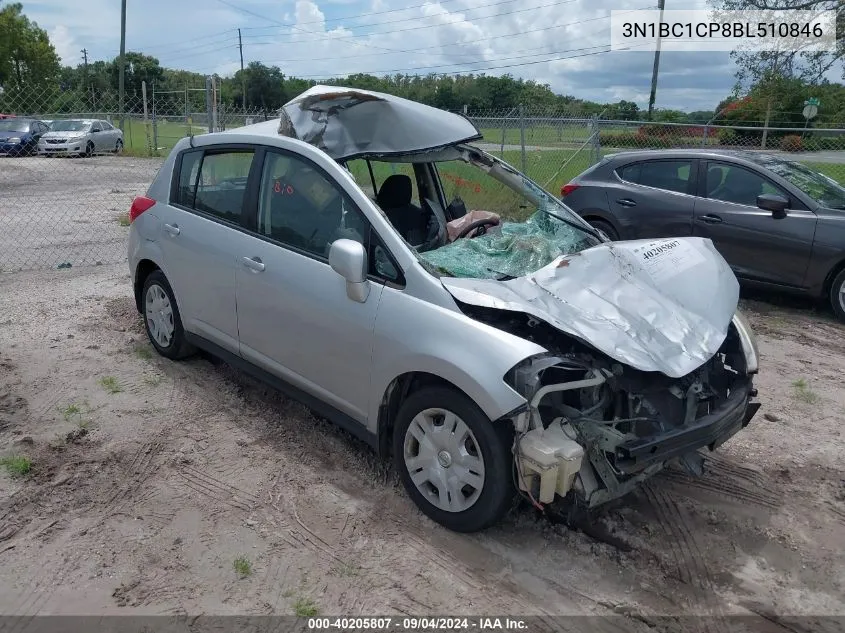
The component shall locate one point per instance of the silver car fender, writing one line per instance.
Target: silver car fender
(417, 336)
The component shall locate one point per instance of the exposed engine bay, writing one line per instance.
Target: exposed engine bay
(594, 428)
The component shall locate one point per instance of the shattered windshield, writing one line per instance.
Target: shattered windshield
(535, 227)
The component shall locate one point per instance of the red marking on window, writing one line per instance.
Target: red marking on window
(284, 190)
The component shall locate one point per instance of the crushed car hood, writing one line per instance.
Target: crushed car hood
(348, 122)
(656, 305)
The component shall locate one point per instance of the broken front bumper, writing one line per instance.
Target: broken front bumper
(709, 431)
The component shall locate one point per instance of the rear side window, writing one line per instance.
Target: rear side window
(669, 175)
(215, 183)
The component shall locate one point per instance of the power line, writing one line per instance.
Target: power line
(417, 17)
(414, 50)
(474, 41)
(359, 15)
(296, 28)
(492, 37)
(475, 70)
(434, 26)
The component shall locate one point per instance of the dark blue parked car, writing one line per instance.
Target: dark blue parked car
(19, 136)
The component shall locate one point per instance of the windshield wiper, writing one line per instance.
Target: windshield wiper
(575, 225)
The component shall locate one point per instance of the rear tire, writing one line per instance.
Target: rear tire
(118, 147)
(837, 295)
(462, 465)
(606, 228)
(162, 320)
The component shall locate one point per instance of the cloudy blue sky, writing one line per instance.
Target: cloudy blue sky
(551, 41)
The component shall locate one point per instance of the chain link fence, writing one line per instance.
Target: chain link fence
(65, 190)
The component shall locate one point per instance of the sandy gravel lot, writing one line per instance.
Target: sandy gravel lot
(149, 479)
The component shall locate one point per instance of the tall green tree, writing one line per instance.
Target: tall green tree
(29, 65)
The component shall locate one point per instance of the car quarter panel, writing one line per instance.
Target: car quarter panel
(416, 336)
(828, 249)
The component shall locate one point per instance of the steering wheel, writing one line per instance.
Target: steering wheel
(469, 228)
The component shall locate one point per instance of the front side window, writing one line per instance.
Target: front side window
(302, 207)
(732, 183)
(669, 175)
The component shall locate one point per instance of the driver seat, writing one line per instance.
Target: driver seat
(409, 220)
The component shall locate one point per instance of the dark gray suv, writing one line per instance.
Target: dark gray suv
(777, 223)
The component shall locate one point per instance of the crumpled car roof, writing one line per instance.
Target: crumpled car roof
(348, 122)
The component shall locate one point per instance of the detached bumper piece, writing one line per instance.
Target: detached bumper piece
(711, 431)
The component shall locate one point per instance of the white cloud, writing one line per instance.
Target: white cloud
(65, 45)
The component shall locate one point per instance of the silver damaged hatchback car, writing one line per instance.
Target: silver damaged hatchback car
(506, 348)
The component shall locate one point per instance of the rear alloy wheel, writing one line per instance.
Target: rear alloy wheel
(606, 228)
(161, 318)
(454, 463)
(837, 295)
(118, 147)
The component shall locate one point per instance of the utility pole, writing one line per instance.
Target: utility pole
(122, 71)
(243, 77)
(84, 52)
(660, 4)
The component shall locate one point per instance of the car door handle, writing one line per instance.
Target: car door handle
(711, 219)
(626, 202)
(253, 263)
(173, 229)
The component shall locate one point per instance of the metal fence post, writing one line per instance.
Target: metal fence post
(504, 123)
(596, 145)
(155, 126)
(522, 133)
(146, 122)
(208, 103)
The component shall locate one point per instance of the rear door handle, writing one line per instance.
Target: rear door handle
(253, 263)
(711, 219)
(626, 202)
(173, 229)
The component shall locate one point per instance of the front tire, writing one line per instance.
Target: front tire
(455, 464)
(89, 150)
(161, 318)
(837, 295)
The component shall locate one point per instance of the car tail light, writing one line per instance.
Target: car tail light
(567, 189)
(139, 205)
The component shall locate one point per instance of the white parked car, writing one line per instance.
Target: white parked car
(83, 137)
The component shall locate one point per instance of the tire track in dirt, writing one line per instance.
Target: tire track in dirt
(206, 484)
(30, 601)
(728, 480)
(691, 567)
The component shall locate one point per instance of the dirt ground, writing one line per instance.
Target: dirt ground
(149, 479)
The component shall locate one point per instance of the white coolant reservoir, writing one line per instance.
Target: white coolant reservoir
(553, 457)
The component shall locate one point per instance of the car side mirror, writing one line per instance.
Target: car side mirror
(774, 203)
(349, 260)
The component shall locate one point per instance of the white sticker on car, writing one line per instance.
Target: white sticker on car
(666, 259)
